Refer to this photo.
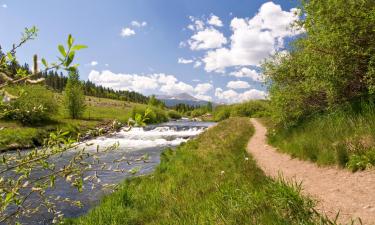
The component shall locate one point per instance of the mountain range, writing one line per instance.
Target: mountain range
(185, 98)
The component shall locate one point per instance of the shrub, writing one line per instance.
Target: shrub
(156, 115)
(254, 108)
(35, 104)
(174, 115)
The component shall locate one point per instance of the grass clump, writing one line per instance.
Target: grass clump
(344, 137)
(210, 180)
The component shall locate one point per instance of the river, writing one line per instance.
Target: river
(133, 145)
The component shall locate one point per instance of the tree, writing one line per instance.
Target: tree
(332, 63)
(74, 96)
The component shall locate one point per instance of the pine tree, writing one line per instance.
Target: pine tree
(74, 96)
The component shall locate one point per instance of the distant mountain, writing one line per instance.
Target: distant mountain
(185, 98)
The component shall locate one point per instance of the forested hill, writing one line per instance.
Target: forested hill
(58, 81)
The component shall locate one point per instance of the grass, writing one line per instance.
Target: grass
(98, 110)
(209, 180)
(344, 137)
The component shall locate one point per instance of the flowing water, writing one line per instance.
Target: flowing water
(133, 145)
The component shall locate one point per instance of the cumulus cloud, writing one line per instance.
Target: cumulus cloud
(196, 25)
(250, 73)
(135, 23)
(215, 21)
(252, 40)
(150, 83)
(126, 32)
(203, 88)
(94, 63)
(231, 96)
(184, 61)
(238, 84)
(208, 38)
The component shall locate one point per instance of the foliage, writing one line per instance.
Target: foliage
(344, 136)
(174, 115)
(34, 104)
(201, 110)
(153, 101)
(254, 108)
(332, 63)
(74, 97)
(154, 115)
(194, 185)
(32, 173)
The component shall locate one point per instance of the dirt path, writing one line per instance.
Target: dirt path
(353, 194)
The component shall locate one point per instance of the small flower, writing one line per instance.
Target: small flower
(222, 172)
(246, 158)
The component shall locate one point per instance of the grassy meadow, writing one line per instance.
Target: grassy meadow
(209, 180)
(98, 110)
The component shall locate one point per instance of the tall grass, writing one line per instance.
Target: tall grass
(345, 136)
(209, 180)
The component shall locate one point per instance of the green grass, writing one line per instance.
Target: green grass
(98, 111)
(345, 137)
(209, 180)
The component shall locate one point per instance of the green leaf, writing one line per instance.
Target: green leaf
(62, 50)
(70, 41)
(70, 58)
(10, 56)
(78, 47)
(44, 62)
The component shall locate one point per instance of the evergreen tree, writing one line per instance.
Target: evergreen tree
(74, 96)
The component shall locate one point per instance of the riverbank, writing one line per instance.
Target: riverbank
(99, 114)
(209, 180)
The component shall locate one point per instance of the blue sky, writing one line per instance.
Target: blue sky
(210, 49)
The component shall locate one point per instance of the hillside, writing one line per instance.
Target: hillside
(98, 111)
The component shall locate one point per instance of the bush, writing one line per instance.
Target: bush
(156, 115)
(174, 115)
(35, 104)
(255, 108)
(327, 66)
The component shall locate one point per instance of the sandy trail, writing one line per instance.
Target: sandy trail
(353, 194)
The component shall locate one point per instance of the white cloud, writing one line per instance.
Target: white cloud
(238, 84)
(150, 83)
(126, 32)
(106, 64)
(253, 39)
(208, 38)
(94, 63)
(4, 6)
(184, 61)
(215, 21)
(246, 72)
(203, 97)
(231, 96)
(135, 23)
(203, 88)
(197, 64)
(196, 25)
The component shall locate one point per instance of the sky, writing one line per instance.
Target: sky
(210, 49)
